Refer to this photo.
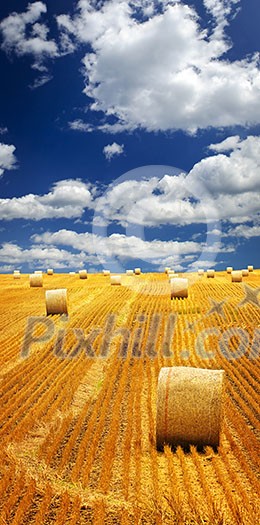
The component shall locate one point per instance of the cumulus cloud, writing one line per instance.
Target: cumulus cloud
(121, 247)
(7, 157)
(234, 174)
(23, 34)
(12, 254)
(219, 187)
(113, 150)
(67, 198)
(224, 186)
(79, 125)
(244, 230)
(3, 130)
(163, 71)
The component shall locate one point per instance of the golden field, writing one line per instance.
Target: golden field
(77, 425)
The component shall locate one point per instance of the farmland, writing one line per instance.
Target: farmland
(78, 409)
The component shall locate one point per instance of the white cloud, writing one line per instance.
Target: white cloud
(22, 34)
(7, 157)
(42, 256)
(243, 230)
(67, 198)
(120, 247)
(40, 81)
(220, 187)
(234, 174)
(113, 150)
(220, 9)
(230, 143)
(79, 125)
(164, 72)
(3, 130)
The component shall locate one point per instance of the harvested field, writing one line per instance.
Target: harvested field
(78, 409)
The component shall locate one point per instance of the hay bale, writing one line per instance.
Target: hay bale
(38, 272)
(229, 269)
(106, 272)
(115, 279)
(17, 274)
(167, 269)
(36, 280)
(200, 271)
(83, 274)
(179, 288)
(250, 268)
(56, 301)
(137, 271)
(50, 271)
(129, 272)
(72, 273)
(236, 276)
(211, 273)
(189, 406)
(245, 272)
(172, 276)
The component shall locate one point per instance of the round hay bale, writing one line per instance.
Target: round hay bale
(137, 271)
(229, 269)
(179, 288)
(236, 276)
(211, 273)
(106, 272)
(72, 273)
(250, 268)
(83, 274)
(245, 272)
(189, 406)
(36, 280)
(200, 271)
(167, 269)
(172, 276)
(129, 272)
(50, 271)
(56, 301)
(17, 275)
(38, 272)
(115, 279)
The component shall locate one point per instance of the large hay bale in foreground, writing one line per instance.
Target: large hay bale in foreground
(236, 276)
(115, 279)
(83, 274)
(189, 406)
(36, 280)
(56, 301)
(179, 288)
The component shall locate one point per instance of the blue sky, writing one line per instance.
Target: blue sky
(129, 134)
